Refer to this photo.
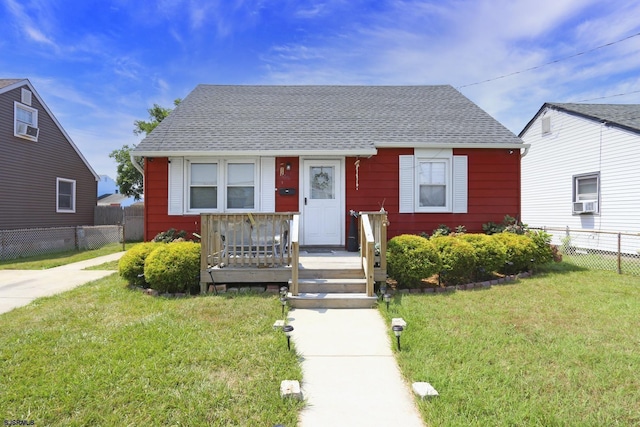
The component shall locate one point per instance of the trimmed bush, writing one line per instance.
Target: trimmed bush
(131, 265)
(173, 267)
(544, 252)
(521, 249)
(458, 259)
(410, 259)
(491, 254)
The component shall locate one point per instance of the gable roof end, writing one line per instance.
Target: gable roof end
(7, 85)
(626, 116)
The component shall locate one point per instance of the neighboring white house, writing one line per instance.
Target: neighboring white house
(583, 169)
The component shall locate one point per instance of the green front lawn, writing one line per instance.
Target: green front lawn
(560, 348)
(102, 354)
(45, 261)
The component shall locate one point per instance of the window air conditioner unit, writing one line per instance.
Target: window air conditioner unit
(585, 206)
(25, 129)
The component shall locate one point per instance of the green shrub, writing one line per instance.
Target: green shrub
(491, 254)
(521, 249)
(544, 252)
(410, 259)
(131, 265)
(174, 267)
(458, 259)
(170, 235)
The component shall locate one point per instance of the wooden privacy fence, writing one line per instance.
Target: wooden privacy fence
(131, 217)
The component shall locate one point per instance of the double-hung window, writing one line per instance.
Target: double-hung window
(26, 122)
(241, 179)
(65, 195)
(586, 193)
(433, 180)
(203, 186)
(432, 183)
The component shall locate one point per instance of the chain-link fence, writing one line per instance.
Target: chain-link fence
(599, 250)
(39, 241)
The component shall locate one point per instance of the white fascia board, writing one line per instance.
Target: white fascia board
(256, 153)
(507, 146)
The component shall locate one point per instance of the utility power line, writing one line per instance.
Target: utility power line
(551, 62)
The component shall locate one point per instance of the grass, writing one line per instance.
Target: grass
(103, 354)
(46, 261)
(556, 349)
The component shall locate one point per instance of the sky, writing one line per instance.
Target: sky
(100, 64)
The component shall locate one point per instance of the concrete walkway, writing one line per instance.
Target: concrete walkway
(20, 287)
(350, 376)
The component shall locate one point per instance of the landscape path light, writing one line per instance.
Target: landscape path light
(387, 299)
(397, 330)
(287, 329)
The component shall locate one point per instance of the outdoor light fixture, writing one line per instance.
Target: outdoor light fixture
(287, 329)
(283, 301)
(387, 298)
(397, 329)
(283, 291)
(288, 166)
(383, 289)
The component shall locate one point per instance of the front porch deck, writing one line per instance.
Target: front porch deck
(264, 248)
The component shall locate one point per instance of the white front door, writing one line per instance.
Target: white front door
(322, 202)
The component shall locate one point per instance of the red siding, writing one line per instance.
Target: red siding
(156, 201)
(494, 190)
(287, 179)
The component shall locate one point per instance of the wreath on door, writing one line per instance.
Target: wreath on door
(321, 181)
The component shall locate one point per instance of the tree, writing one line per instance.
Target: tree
(156, 114)
(129, 179)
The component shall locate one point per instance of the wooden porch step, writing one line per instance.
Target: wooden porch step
(330, 273)
(332, 300)
(337, 286)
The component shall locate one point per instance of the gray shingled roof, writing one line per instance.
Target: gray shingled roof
(299, 119)
(625, 115)
(8, 82)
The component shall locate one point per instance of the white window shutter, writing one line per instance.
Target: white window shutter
(268, 184)
(176, 186)
(407, 189)
(460, 184)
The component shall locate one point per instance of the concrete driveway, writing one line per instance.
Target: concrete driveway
(20, 287)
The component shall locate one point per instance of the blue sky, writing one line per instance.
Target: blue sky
(100, 64)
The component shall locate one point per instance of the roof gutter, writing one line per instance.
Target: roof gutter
(135, 164)
(236, 153)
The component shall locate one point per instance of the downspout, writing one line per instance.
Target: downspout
(526, 151)
(135, 164)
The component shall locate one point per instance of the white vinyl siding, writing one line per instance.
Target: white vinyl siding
(574, 147)
(433, 181)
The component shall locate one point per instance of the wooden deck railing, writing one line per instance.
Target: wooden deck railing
(247, 240)
(295, 253)
(373, 247)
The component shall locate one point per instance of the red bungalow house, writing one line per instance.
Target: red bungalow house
(426, 154)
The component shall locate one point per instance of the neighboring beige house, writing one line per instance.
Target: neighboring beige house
(46, 181)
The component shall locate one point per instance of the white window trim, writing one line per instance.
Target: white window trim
(222, 184)
(596, 199)
(187, 185)
(457, 181)
(440, 156)
(73, 195)
(16, 106)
